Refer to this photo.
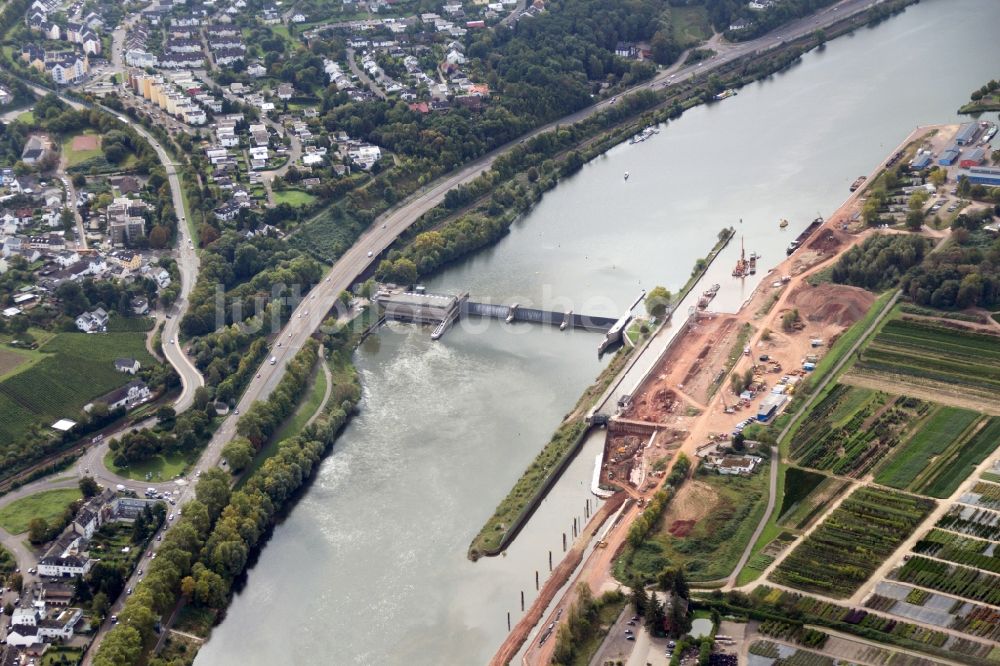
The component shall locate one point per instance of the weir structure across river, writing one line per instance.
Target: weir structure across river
(442, 310)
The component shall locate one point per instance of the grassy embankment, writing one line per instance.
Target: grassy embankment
(308, 406)
(49, 505)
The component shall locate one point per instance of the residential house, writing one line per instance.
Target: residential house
(129, 365)
(66, 68)
(65, 558)
(36, 148)
(132, 394)
(162, 278)
(140, 305)
(92, 322)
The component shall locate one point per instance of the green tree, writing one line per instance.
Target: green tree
(201, 397)
(38, 530)
(870, 211)
(790, 319)
(165, 413)
(404, 271)
(100, 604)
(213, 491)
(656, 616)
(964, 186)
(918, 199)
(88, 486)
(238, 453)
(640, 601)
(657, 302)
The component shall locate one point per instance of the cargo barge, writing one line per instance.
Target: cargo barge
(806, 233)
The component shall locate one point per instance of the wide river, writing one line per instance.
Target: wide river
(370, 566)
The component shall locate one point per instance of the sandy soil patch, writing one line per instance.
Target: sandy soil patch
(692, 503)
(9, 361)
(831, 303)
(86, 142)
(720, 336)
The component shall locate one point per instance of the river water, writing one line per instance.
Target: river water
(370, 567)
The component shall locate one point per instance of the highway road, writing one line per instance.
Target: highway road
(310, 313)
(387, 228)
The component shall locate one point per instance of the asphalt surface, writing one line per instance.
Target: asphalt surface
(310, 313)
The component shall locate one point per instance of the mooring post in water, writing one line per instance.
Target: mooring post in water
(522, 601)
(564, 542)
(536, 580)
(550, 561)
(508, 621)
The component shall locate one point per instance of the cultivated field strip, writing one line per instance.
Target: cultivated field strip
(844, 551)
(926, 355)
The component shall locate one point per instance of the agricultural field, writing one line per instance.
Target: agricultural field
(10, 360)
(850, 429)
(942, 429)
(801, 514)
(959, 462)
(913, 603)
(767, 653)
(924, 360)
(952, 579)
(799, 484)
(875, 627)
(841, 554)
(705, 528)
(983, 493)
(955, 548)
(118, 324)
(76, 369)
(969, 520)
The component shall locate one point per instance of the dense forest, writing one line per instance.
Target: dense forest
(964, 273)
(253, 272)
(880, 262)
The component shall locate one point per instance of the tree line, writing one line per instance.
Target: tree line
(211, 542)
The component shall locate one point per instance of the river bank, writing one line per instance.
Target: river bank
(677, 368)
(446, 428)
